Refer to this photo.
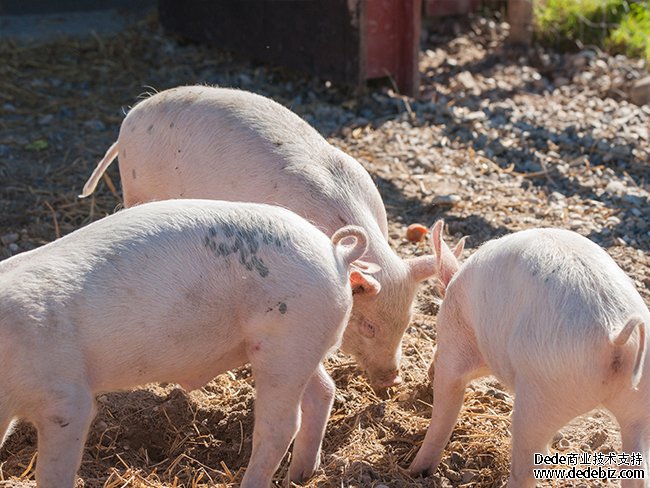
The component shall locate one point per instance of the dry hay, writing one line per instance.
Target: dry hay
(159, 435)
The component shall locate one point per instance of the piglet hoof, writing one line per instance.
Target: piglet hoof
(299, 475)
(295, 480)
(419, 468)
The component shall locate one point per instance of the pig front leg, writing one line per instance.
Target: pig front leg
(316, 405)
(62, 427)
(452, 368)
(449, 389)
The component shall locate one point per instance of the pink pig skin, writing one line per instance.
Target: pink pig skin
(552, 316)
(225, 144)
(178, 291)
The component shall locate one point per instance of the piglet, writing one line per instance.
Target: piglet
(227, 144)
(552, 316)
(178, 291)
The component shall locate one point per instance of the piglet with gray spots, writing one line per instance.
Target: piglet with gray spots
(552, 316)
(205, 142)
(178, 291)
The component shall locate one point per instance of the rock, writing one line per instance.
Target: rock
(560, 81)
(466, 79)
(468, 475)
(45, 119)
(640, 91)
(446, 200)
(9, 238)
(453, 475)
(95, 125)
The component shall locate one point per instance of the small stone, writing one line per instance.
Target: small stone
(13, 247)
(45, 119)
(9, 238)
(446, 200)
(468, 475)
(596, 440)
(640, 91)
(613, 220)
(456, 459)
(95, 125)
(560, 81)
(453, 475)
(466, 79)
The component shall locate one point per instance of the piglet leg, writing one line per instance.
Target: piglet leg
(62, 427)
(537, 416)
(635, 431)
(316, 405)
(449, 388)
(280, 380)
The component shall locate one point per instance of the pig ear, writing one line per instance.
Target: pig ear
(436, 237)
(422, 267)
(458, 250)
(447, 262)
(365, 267)
(363, 284)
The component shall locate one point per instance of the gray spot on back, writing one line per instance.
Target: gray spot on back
(227, 238)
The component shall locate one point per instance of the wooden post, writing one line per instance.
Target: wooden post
(520, 18)
(392, 37)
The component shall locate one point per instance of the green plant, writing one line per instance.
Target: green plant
(619, 25)
(632, 36)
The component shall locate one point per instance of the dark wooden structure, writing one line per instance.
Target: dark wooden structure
(442, 8)
(346, 41)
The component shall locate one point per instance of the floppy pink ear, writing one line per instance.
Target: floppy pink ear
(363, 284)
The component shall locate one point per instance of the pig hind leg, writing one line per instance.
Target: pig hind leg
(62, 427)
(539, 412)
(316, 405)
(632, 415)
(280, 380)
(454, 367)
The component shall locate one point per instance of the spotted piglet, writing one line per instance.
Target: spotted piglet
(227, 144)
(552, 316)
(178, 291)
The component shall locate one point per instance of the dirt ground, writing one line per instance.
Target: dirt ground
(497, 141)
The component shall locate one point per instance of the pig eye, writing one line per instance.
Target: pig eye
(367, 329)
